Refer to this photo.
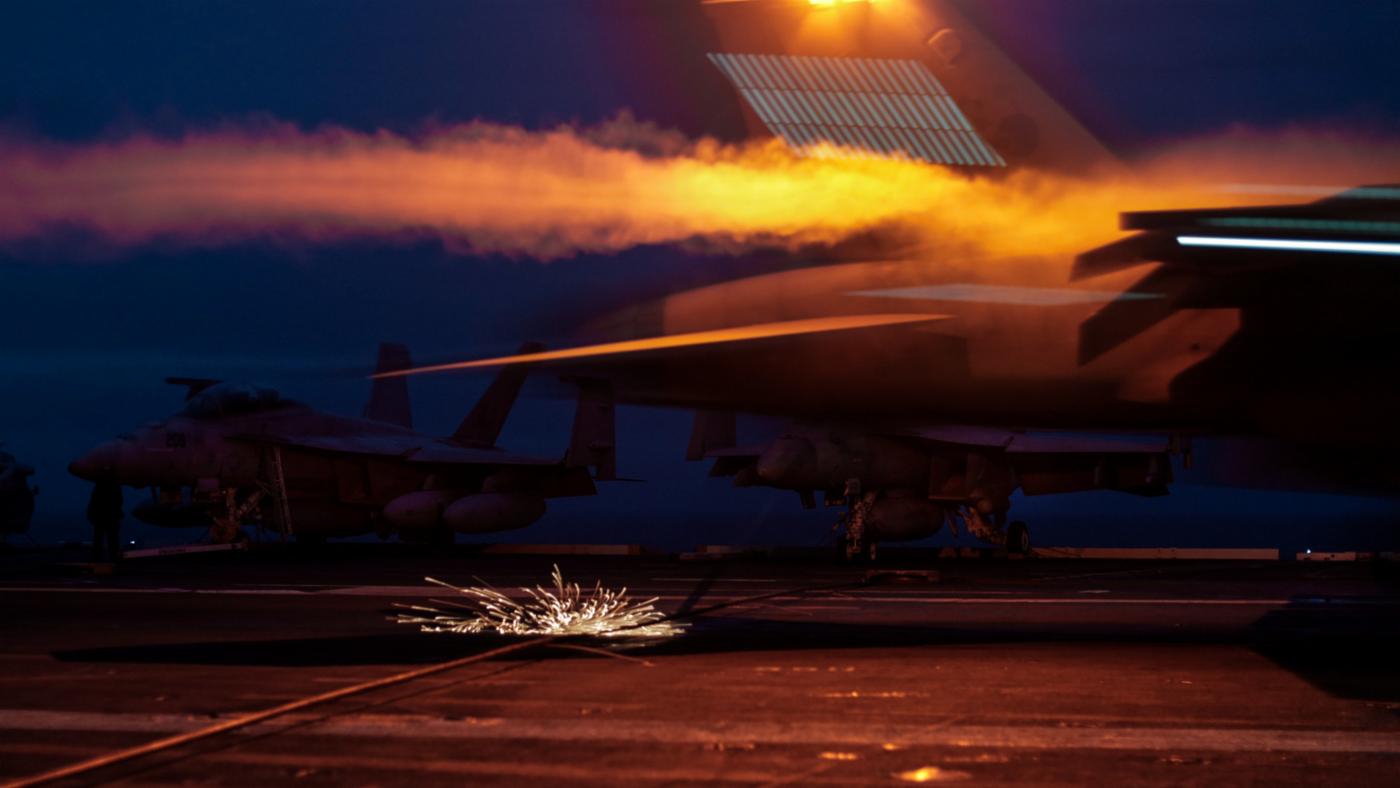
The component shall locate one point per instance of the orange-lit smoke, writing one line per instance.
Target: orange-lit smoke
(545, 194)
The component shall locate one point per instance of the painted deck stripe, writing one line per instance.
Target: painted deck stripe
(869, 732)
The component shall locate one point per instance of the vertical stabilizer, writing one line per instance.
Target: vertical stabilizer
(712, 430)
(388, 397)
(594, 441)
(482, 426)
(1023, 121)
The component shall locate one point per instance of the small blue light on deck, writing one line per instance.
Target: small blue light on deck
(1291, 245)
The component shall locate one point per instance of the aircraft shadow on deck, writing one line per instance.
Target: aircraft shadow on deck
(1348, 651)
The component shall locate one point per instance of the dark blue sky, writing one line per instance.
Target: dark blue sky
(88, 335)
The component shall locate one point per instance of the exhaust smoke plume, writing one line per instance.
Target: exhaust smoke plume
(546, 194)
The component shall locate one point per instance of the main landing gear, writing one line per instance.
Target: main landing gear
(1015, 536)
(230, 515)
(854, 541)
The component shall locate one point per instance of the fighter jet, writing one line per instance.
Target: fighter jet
(239, 454)
(16, 495)
(926, 389)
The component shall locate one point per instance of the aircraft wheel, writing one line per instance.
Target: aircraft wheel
(854, 550)
(1018, 538)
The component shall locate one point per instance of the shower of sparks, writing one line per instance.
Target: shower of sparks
(562, 610)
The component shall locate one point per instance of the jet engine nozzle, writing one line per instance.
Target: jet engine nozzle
(789, 462)
(419, 511)
(902, 515)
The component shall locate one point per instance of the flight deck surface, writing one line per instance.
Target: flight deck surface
(795, 672)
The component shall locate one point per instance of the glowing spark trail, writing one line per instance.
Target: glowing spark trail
(563, 610)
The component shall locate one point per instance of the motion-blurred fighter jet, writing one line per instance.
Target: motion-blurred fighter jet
(928, 389)
(16, 495)
(240, 454)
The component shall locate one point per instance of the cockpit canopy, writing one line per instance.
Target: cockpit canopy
(235, 399)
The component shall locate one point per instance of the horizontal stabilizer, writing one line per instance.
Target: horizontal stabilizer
(193, 385)
(1126, 253)
(1122, 320)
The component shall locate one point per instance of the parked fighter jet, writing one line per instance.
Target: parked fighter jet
(16, 495)
(928, 389)
(241, 454)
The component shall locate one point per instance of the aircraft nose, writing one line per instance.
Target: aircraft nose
(98, 464)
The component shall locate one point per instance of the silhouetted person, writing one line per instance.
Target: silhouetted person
(105, 513)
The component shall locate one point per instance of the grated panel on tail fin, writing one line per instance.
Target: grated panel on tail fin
(913, 78)
(854, 107)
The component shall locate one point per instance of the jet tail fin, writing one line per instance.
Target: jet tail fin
(482, 426)
(594, 440)
(712, 430)
(1023, 121)
(388, 397)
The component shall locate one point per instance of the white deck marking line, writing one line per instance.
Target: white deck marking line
(408, 726)
(423, 591)
(569, 773)
(714, 579)
(243, 721)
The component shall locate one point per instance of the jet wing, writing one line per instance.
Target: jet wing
(1044, 463)
(752, 450)
(1022, 442)
(408, 448)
